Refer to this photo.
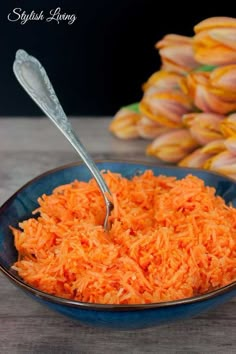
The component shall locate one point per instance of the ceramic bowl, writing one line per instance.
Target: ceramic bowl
(123, 317)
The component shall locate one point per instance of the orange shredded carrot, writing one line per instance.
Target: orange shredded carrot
(170, 239)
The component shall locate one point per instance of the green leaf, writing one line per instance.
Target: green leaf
(205, 68)
(133, 107)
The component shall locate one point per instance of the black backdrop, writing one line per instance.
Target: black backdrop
(98, 63)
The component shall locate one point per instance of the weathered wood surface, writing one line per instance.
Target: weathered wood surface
(32, 146)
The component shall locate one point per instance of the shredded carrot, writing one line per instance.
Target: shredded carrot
(170, 239)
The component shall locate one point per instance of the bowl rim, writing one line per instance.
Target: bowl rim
(112, 307)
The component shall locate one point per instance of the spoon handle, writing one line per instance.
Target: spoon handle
(33, 77)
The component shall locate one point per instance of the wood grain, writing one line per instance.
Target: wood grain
(32, 146)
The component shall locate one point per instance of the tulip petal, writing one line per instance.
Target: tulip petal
(163, 80)
(207, 120)
(205, 127)
(204, 137)
(166, 107)
(207, 97)
(224, 78)
(214, 147)
(228, 126)
(190, 83)
(188, 119)
(226, 36)
(167, 65)
(148, 129)
(181, 55)
(173, 39)
(224, 163)
(171, 154)
(172, 146)
(196, 159)
(211, 52)
(209, 102)
(213, 22)
(230, 144)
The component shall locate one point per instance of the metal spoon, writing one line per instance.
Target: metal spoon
(33, 77)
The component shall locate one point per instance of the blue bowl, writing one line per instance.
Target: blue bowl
(125, 317)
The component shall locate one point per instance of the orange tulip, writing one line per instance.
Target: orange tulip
(215, 41)
(206, 96)
(166, 107)
(200, 156)
(148, 129)
(176, 53)
(224, 163)
(172, 146)
(161, 81)
(228, 125)
(224, 80)
(124, 124)
(196, 159)
(204, 127)
(214, 147)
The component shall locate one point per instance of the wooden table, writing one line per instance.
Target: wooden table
(29, 147)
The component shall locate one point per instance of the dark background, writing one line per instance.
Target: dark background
(99, 63)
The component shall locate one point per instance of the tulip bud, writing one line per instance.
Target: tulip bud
(166, 107)
(214, 147)
(214, 42)
(200, 156)
(224, 80)
(162, 80)
(172, 146)
(224, 163)
(124, 124)
(196, 159)
(205, 96)
(204, 127)
(148, 129)
(176, 53)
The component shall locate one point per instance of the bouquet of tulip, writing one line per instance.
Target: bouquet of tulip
(188, 106)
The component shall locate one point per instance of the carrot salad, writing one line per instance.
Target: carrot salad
(170, 239)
